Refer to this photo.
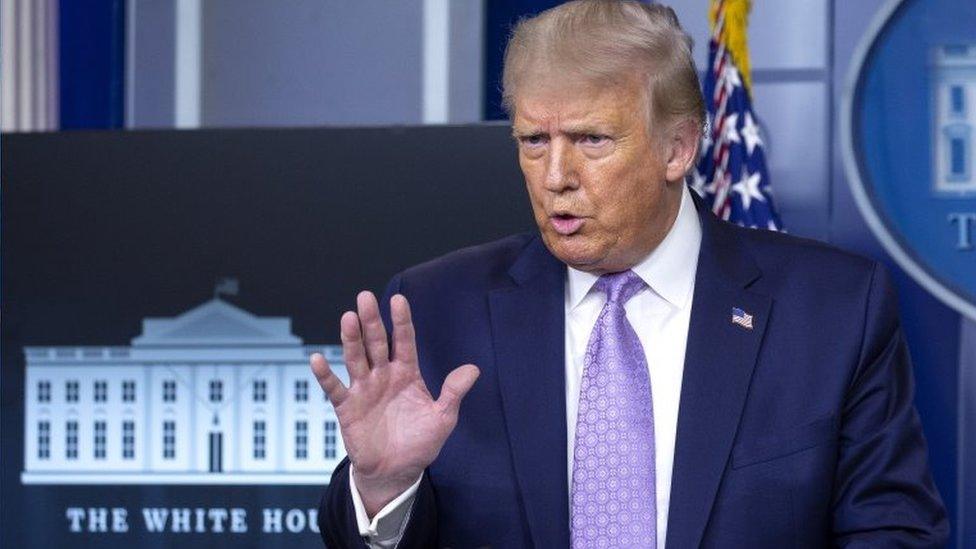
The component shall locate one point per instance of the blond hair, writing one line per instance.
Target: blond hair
(609, 42)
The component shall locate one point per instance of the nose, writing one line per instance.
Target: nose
(561, 172)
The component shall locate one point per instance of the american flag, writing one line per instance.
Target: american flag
(731, 174)
(741, 318)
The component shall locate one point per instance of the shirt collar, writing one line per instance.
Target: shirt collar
(669, 270)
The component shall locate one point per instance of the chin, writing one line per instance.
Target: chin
(574, 251)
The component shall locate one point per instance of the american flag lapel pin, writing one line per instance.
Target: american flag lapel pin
(741, 318)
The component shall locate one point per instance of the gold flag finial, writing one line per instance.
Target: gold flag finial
(729, 20)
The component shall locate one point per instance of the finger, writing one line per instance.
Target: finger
(352, 346)
(404, 337)
(329, 382)
(374, 334)
(457, 384)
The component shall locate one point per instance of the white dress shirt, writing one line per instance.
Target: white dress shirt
(660, 314)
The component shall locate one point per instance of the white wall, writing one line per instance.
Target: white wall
(300, 63)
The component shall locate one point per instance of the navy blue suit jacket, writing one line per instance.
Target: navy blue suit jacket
(799, 432)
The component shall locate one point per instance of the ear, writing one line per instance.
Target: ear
(681, 150)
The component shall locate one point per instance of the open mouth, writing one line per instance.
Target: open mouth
(566, 224)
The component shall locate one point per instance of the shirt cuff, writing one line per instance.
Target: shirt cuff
(389, 522)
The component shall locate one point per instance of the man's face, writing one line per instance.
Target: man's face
(597, 178)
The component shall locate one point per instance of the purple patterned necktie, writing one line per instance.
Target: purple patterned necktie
(614, 496)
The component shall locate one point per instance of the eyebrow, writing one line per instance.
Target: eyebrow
(584, 128)
(526, 130)
(597, 127)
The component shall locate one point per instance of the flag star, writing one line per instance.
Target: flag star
(748, 189)
(750, 131)
(730, 78)
(772, 226)
(729, 133)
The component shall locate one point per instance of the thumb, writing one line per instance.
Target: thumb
(457, 384)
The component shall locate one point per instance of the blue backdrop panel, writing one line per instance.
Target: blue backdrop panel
(92, 63)
(499, 21)
(904, 114)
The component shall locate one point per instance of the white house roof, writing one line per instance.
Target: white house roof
(960, 55)
(216, 322)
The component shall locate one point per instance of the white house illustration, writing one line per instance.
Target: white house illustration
(215, 395)
(954, 119)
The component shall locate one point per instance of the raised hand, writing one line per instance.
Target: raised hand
(391, 425)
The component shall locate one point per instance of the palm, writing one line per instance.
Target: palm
(391, 425)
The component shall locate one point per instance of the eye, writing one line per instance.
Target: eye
(594, 139)
(533, 140)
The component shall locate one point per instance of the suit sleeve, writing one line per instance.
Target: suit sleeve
(337, 514)
(884, 495)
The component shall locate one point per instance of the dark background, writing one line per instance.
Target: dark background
(101, 229)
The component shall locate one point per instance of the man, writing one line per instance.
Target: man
(646, 374)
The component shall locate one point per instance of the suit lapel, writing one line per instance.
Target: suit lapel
(528, 334)
(719, 361)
